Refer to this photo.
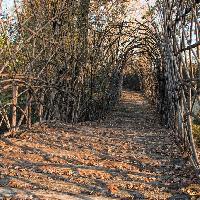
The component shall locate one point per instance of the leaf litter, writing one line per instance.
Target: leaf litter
(128, 155)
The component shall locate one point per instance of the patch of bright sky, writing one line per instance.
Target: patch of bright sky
(7, 6)
(137, 8)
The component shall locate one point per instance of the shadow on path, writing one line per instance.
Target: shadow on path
(126, 156)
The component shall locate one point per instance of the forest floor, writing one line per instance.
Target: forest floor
(126, 156)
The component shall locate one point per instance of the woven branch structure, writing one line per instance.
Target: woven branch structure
(58, 63)
(171, 44)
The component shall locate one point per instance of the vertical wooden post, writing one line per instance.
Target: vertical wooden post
(41, 109)
(29, 110)
(14, 106)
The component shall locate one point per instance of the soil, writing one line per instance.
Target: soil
(128, 155)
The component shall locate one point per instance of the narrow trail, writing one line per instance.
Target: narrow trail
(126, 156)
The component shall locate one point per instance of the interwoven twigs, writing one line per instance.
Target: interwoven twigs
(182, 56)
(20, 89)
(69, 64)
(174, 56)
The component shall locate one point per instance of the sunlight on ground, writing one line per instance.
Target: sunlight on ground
(127, 156)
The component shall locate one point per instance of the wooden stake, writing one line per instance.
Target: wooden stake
(14, 106)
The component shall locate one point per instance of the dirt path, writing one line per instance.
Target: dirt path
(126, 156)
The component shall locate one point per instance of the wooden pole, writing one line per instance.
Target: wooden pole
(41, 108)
(14, 106)
(29, 110)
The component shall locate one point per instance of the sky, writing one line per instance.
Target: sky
(7, 5)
